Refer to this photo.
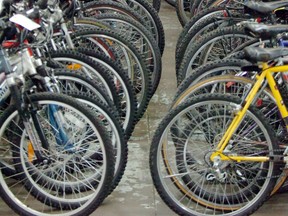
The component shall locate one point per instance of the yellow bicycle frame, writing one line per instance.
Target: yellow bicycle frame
(267, 72)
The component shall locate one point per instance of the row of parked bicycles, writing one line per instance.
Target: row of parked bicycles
(76, 77)
(222, 148)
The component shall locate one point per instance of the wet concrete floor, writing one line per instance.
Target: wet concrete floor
(135, 195)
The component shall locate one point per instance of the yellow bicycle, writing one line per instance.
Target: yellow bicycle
(218, 154)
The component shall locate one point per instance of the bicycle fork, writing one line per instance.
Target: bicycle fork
(15, 78)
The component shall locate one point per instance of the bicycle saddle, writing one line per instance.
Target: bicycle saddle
(265, 7)
(264, 31)
(258, 54)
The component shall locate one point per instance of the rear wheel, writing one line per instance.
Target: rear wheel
(194, 128)
(239, 87)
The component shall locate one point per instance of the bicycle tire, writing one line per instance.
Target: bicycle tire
(109, 116)
(220, 67)
(200, 52)
(147, 47)
(89, 9)
(152, 20)
(74, 61)
(139, 75)
(197, 27)
(110, 119)
(81, 83)
(82, 22)
(163, 184)
(199, 5)
(156, 4)
(94, 8)
(18, 203)
(183, 7)
(202, 15)
(128, 112)
(238, 86)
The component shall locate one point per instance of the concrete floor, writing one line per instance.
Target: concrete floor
(135, 195)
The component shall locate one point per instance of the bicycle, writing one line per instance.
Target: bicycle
(236, 157)
(216, 20)
(43, 132)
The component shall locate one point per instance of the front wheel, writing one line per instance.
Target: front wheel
(183, 173)
(72, 175)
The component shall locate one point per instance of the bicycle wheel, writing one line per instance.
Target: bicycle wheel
(66, 82)
(124, 87)
(78, 82)
(93, 8)
(201, 24)
(183, 10)
(199, 5)
(238, 86)
(151, 18)
(81, 182)
(224, 84)
(71, 60)
(214, 46)
(156, 4)
(244, 186)
(83, 22)
(132, 62)
(198, 18)
(141, 38)
(215, 68)
(73, 84)
(111, 121)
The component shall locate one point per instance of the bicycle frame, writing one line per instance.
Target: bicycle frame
(267, 72)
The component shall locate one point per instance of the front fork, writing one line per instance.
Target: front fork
(34, 131)
(26, 111)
